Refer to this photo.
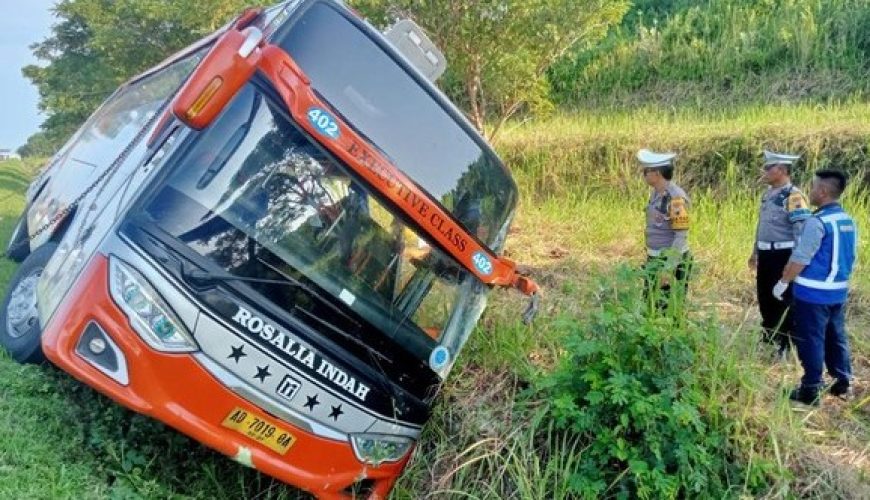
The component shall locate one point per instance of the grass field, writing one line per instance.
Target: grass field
(722, 53)
(580, 218)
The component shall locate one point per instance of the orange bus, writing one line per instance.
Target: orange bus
(276, 242)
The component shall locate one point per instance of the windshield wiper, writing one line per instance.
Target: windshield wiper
(342, 333)
(87, 163)
(204, 278)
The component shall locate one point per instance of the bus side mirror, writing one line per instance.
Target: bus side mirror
(222, 72)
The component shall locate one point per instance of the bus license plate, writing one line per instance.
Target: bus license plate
(259, 429)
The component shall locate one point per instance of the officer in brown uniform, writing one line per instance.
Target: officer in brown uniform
(669, 262)
(783, 212)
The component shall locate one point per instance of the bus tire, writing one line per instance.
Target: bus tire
(19, 248)
(20, 331)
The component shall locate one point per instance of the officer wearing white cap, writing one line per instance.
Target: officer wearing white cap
(667, 227)
(783, 212)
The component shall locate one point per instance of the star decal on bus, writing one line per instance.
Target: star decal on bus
(262, 373)
(336, 412)
(238, 353)
(311, 402)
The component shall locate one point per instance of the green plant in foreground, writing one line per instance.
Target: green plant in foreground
(639, 388)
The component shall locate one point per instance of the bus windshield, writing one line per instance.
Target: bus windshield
(256, 196)
(379, 98)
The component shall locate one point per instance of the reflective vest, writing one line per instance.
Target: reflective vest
(826, 279)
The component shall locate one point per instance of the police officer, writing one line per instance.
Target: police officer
(783, 211)
(820, 267)
(667, 226)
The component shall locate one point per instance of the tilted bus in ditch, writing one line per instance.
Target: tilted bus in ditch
(276, 242)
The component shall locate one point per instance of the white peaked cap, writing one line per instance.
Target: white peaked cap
(650, 159)
(771, 158)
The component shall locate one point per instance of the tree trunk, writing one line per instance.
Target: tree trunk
(506, 115)
(473, 92)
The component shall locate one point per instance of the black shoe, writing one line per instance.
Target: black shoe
(842, 389)
(807, 395)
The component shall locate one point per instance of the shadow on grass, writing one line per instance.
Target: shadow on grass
(13, 180)
(128, 455)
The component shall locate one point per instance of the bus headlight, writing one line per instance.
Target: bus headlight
(149, 315)
(375, 449)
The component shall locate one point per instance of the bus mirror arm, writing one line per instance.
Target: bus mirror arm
(532, 309)
(527, 287)
(247, 17)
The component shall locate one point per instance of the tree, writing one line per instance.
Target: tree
(99, 44)
(499, 51)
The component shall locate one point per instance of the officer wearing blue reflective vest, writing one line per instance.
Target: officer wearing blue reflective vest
(819, 269)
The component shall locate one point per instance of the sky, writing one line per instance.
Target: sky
(25, 22)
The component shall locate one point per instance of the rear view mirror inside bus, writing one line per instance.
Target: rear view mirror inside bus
(224, 70)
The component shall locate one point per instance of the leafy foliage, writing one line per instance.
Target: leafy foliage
(499, 50)
(637, 387)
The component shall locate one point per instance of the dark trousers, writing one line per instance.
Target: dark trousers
(679, 280)
(776, 316)
(820, 336)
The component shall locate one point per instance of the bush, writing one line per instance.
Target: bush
(641, 389)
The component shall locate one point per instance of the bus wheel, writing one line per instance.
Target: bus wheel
(19, 248)
(20, 331)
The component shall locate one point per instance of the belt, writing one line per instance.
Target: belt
(775, 245)
(658, 252)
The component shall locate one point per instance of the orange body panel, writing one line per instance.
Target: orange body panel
(222, 66)
(197, 406)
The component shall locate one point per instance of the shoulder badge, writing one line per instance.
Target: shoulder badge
(797, 207)
(678, 213)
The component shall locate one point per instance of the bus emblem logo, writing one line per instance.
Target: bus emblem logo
(288, 387)
(321, 120)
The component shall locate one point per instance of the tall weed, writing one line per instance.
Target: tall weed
(721, 52)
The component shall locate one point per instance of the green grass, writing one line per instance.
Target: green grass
(717, 53)
(485, 421)
(580, 216)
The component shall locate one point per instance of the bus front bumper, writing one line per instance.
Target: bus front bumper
(176, 390)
